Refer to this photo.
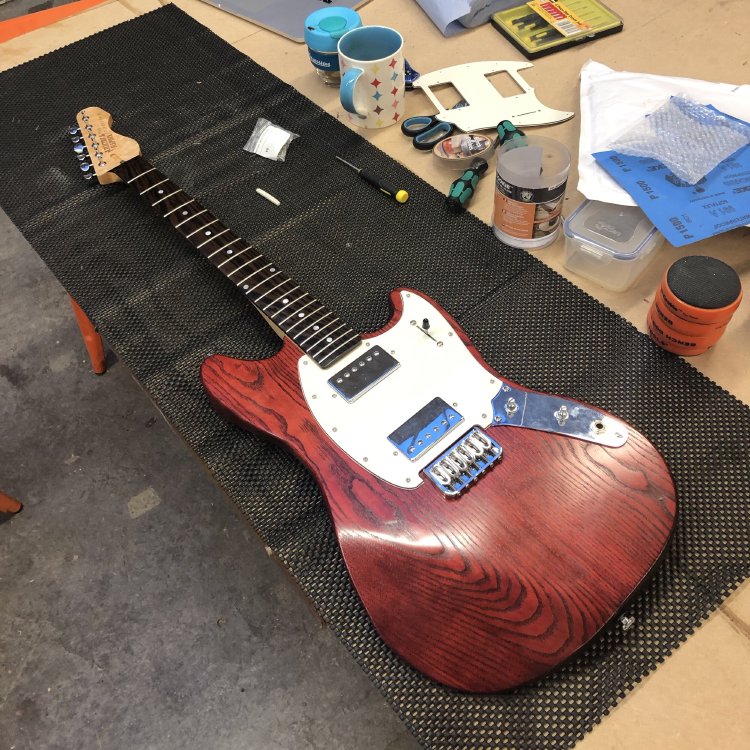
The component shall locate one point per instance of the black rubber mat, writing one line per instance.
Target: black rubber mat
(191, 101)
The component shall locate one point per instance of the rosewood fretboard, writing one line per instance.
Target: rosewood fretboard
(311, 325)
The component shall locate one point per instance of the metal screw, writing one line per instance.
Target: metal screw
(627, 623)
(335, 429)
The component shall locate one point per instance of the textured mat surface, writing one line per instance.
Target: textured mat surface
(191, 101)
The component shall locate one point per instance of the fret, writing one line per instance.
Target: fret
(272, 289)
(232, 257)
(262, 281)
(246, 263)
(166, 196)
(223, 231)
(304, 317)
(215, 221)
(229, 244)
(138, 176)
(293, 289)
(319, 331)
(290, 303)
(204, 211)
(313, 327)
(332, 340)
(353, 337)
(311, 302)
(151, 187)
(182, 205)
(329, 339)
(253, 274)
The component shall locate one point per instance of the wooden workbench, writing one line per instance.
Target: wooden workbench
(698, 698)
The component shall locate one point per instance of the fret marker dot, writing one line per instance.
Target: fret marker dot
(284, 301)
(229, 252)
(184, 213)
(300, 315)
(246, 286)
(329, 339)
(160, 191)
(272, 270)
(208, 232)
(316, 328)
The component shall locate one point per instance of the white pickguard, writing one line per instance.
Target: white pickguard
(427, 370)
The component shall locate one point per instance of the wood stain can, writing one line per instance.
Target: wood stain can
(530, 181)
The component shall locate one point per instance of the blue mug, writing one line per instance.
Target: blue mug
(371, 59)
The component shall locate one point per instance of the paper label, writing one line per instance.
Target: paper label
(558, 15)
(527, 213)
(271, 141)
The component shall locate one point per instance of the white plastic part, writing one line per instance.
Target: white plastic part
(486, 106)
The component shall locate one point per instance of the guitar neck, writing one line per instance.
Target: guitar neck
(311, 325)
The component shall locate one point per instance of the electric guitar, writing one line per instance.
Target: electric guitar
(490, 531)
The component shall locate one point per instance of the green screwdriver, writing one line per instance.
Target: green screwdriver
(463, 188)
(400, 196)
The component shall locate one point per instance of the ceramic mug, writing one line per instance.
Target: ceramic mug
(371, 59)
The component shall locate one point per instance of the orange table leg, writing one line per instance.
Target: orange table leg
(8, 504)
(91, 338)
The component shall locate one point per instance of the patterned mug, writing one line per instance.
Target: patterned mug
(372, 76)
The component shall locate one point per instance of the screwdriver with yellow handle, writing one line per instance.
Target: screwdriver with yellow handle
(400, 196)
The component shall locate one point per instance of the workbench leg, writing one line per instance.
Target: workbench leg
(8, 504)
(91, 338)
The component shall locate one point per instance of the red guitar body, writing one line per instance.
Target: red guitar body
(495, 587)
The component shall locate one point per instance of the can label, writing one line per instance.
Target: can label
(324, 60)
(527, 213)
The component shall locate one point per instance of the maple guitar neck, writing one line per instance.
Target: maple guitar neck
(318, 331)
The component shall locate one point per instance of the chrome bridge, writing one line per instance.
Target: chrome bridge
(464, 462)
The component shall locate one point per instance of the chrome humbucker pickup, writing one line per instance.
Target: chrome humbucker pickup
(464, 462)
(425, 428)
(363, 373)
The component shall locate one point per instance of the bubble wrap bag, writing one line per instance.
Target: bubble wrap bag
(689, 138)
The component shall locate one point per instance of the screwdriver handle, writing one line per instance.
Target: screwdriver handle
(400, 196)
(462, 189)
(507, 131)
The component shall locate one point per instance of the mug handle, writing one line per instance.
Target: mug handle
(346, 93)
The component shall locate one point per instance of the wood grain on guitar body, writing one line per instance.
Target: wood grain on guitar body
(490, 531)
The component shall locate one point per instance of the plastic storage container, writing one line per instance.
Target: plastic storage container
(611, 245)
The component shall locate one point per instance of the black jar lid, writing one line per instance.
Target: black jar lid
(704, 282)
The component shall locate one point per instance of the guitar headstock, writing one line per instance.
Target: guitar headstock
(98, 147)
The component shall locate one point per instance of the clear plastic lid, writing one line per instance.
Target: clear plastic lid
(620, 231)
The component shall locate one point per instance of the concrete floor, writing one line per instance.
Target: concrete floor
(136, 609)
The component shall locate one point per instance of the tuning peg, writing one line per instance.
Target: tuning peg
(79, 148)
(88, 175)
(85, 166)
(74, 130)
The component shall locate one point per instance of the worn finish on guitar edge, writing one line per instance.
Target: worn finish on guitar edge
(494, 588)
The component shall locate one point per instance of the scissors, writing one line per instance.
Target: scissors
(426, 130)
